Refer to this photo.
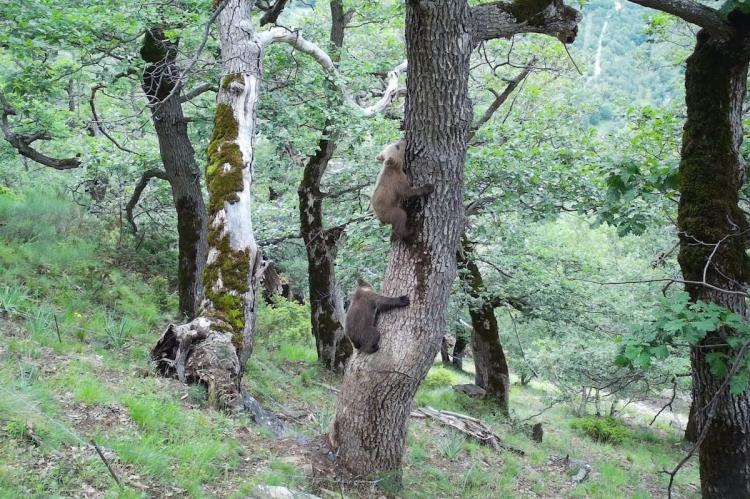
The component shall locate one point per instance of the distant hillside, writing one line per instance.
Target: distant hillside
(621, 68)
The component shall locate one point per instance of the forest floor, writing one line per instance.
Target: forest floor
(75, 331)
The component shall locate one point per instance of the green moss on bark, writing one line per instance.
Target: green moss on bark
(711, 170)
(232, 269)
(224, 168)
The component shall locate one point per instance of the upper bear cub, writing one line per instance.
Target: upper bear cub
(392, 189)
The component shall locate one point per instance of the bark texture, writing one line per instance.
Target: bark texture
(178, 158)
(321, 244)
(372, 412)
(373, 407)
(491, 367)
(713, 239)
(214, 347)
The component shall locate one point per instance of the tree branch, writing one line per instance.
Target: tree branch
(692, 12)
(22, 143)
(501, 98)
(100, 124)
(139, 187)
(296, 40)
(199, 90)
(270, 16)
(505, 19)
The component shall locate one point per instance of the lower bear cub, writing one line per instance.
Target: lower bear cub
(362, 314)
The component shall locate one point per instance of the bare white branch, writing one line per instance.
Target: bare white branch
(296, 40)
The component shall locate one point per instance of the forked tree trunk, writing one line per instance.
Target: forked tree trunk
(373, 407)
(326, 302)
(178, 158)
(214, 348)
(491, 368)
(321, 244)
(713, 240)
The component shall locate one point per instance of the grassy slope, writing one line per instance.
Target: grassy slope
(96, 383)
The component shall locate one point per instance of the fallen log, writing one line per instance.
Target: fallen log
(467, 425)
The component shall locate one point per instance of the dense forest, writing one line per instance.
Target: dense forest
(345, 248)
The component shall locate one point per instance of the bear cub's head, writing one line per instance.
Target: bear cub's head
(393, 155)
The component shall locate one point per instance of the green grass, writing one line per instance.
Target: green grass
(63, 265)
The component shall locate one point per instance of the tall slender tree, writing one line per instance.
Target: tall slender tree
(321, 244)
(372, 411)
(160, 78)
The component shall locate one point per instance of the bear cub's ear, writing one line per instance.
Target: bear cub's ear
(362, 283)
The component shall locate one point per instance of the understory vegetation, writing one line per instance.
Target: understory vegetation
(95, 382)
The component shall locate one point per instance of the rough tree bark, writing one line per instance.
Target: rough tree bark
(713, 240)
(321, 244)
(491, 367)
(214, 347)
(178, 158)
(372, 411)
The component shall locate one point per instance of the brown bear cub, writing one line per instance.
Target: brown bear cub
(392, 189)
(362, 314)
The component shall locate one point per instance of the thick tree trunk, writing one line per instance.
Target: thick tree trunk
(326, 302)
(491, 368)
(178, 157)
(214, 348)
(691, 429)
(713, 239)
(373, 407)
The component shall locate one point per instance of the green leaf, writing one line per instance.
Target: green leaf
(738, 383)
(716, 363)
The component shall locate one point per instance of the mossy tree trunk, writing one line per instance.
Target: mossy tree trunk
(178, 157)
(372, 411)
(214, 348)
(490, 365)
(321, 244)
(713, 242)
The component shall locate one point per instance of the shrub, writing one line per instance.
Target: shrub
(438, 377)
(604, 430)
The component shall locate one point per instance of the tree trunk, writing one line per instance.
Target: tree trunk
(491, 368)
(326, 302)
(214, 348)
(178, 157)
(373, 407)
(691, 429)
(713, 238)
(458, 350)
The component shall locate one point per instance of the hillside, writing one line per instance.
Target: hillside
(94, 382)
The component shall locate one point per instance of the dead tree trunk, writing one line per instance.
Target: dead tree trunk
(321, 244)
(178, 158)
(491, 367)
(214, 347)
(373, 407)
(713, 240)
